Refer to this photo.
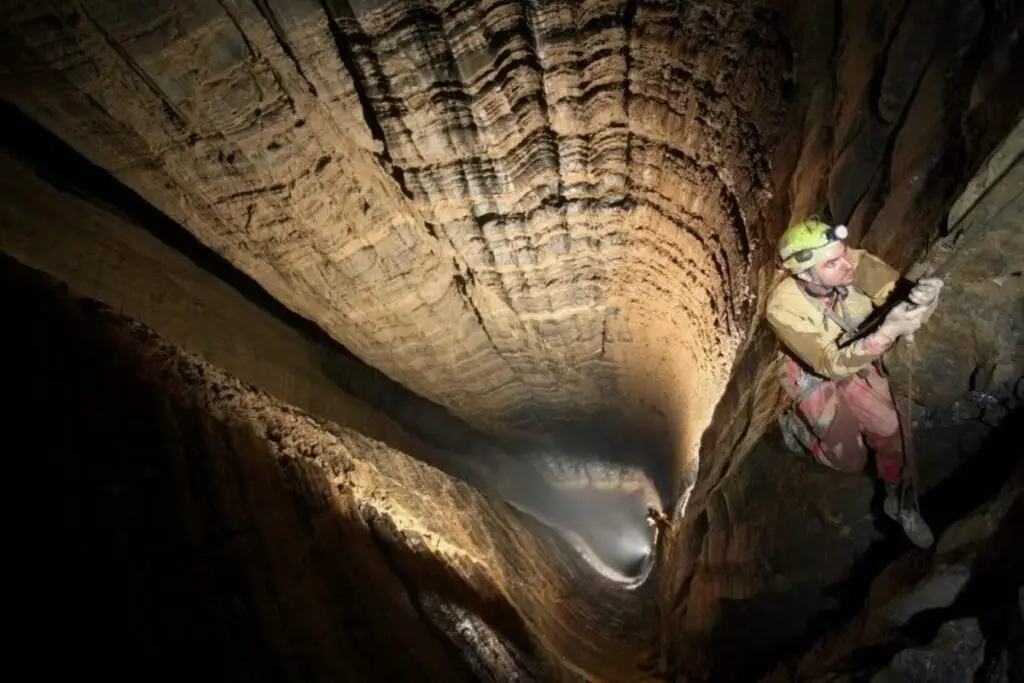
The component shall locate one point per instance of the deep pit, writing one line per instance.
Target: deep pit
(470, 287)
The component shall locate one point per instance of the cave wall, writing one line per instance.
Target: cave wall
(900, 103)
(61, 216)
(765, 535)
(193, 522)
(173, 541)
(964, 372)
(553, 220)
(104, 256)
(520, 212)
(479, 200)
(954, 614)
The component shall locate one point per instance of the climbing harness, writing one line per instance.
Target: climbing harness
(797, 435)
(836, 296)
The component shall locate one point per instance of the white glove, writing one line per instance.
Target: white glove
(903, 319)
(926, 291)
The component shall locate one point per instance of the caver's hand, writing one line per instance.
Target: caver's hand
(903, 319)
(926, 292)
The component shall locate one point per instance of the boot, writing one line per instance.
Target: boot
(901, 506)
(916, 529)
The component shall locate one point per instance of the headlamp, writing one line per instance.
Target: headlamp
(833, 234)
(836, 233)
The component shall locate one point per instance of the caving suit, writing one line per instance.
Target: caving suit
(839, 392)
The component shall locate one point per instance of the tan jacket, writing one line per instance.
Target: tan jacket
(805, 331)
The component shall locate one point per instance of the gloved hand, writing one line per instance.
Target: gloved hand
(926, 291)
(904, 319)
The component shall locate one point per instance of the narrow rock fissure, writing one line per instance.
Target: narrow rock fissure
(628, 24)
(342, 44)
(282, 40)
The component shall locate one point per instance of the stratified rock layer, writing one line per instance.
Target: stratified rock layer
(527, 213)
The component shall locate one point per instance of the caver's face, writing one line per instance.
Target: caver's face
(836, 269)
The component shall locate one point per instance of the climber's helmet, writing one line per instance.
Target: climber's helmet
(802, 246)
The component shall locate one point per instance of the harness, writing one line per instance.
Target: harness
(809, 382)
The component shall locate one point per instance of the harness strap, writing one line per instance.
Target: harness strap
(836, 294)
(845, 324)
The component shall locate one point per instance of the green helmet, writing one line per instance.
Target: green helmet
(799, 245)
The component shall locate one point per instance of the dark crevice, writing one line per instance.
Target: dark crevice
(604, 337)
(882, 61)
(343, 44)
(628, 23)
(967, 147)
(454, 656)
(989, 596)
(698, 532)
(461, 286)
(269, 189)
(268, 14)
(881, 179)
(68, 171)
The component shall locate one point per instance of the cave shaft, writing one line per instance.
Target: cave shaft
(537, 215)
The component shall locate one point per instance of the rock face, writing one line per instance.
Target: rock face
(205, 525)
(193, 299)
(959, 380)
(479, 200)
(552, 221)
(951, 616)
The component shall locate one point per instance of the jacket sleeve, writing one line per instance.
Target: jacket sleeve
(872, 275)
(816, 346)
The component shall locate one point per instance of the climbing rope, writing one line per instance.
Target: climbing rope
(906, 433)
(961, 236)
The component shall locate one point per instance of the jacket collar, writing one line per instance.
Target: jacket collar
(822, 292)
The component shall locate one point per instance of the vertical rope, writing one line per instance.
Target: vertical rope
(908, 432)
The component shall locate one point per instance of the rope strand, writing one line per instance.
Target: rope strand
(910, 462)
